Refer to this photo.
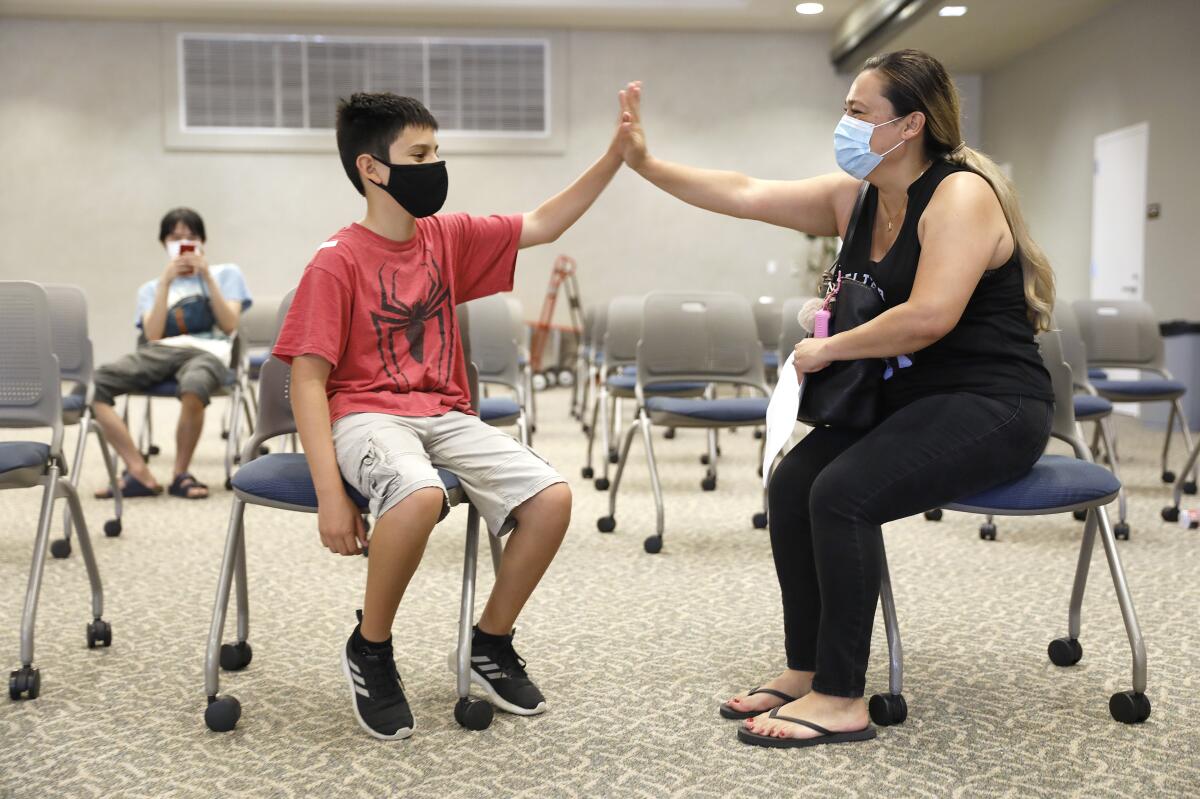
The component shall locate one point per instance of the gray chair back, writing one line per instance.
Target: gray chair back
(69, 323)
(699, 336)
(1074, 351)
(624, 330)
(790, 331)
(493, 346)
(1064, 427)
(30, 387)
(768, 318)
(599, 328)
(1120, 333)
(257, 327)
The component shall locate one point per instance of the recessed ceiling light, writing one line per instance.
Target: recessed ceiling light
(952, 11)
(809, 8)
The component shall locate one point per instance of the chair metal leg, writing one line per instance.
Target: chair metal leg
(212, 654)
(111, 466)
(1086, 545)
(616, 421)
(606, 404)
(466, 613)
(1190, 465)
(648, 440)
(231, 442)
(523, 428)
(711, 472)
(621, 462)
(1132, 629)
(591, 439)
(76, 467)
(1187, 440)
(40, 544)
(242, 586)
(1113, 464)
(148, 429)
(75, 509)
(892, 628)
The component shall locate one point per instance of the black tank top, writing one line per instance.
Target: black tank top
(992, 349)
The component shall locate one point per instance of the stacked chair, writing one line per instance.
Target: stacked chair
(692, 337)
(1056, 484)
(31, 396)
(283, 481)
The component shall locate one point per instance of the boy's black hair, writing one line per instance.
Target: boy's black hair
(370, 121)
(176, 215)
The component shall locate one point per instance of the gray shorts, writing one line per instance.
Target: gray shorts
(196, 371)
(388, 457)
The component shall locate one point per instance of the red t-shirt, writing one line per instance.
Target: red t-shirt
(382, 312)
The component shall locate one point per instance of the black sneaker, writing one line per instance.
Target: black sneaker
(375, 690)
(500, 672)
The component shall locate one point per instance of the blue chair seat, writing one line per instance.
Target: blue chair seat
(1097, 374)
(732, 410)
(493, 408)
(1134, 390)
(627, 382)
(283, 479)
(256, 361)
(771, 359)
(22, 455)
(1056, 483)
(72, 403)
(1089, 407)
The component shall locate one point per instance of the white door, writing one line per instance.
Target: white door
(1119, 213)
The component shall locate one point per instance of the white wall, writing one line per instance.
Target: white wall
(1138, 61)
(84, 176)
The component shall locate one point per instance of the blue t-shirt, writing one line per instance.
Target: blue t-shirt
(233, 288)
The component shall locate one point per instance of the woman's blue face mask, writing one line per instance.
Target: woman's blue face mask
(852, 146)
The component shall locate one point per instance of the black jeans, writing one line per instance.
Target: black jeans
(832, 492)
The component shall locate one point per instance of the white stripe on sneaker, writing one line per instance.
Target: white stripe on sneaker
(354, 667)
(358, 689)
(359, 679)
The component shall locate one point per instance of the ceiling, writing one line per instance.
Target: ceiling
(991, 33)
(774, 15)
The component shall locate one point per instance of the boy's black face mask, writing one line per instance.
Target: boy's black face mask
(419, 188)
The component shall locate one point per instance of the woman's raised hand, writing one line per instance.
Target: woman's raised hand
(631, 139)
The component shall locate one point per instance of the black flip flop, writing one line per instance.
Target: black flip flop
(824, 737)
(737, 715)
(184, 483)
(131, 488)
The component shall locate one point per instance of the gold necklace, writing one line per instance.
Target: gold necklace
(892, 218)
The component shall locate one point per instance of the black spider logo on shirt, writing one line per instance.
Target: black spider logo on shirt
(396, 317)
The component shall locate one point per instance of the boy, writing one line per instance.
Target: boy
(380, 395)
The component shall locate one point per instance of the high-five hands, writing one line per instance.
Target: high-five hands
(631, 139)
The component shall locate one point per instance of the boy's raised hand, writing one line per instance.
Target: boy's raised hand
(631, 138)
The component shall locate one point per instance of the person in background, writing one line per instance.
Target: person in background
(187, 317)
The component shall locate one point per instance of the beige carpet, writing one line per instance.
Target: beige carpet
(633, 651)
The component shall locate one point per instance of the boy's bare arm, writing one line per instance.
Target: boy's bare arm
(554, 216)
(338, 518)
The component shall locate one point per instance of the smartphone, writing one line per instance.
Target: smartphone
(184, 249)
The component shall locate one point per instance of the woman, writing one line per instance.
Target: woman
(967, 402)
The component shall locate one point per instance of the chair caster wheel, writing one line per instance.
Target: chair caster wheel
(1189, 487)
(112, 528)
(602, 484)
(1064, 651)
(235, 657)
(1121, 531)
(264, 450)
(670, 433)
(709, 484)
(99, 633)
(60, 548)
(1170, 514)
(154, 450)
(888, 709)
(1079, 515)
(228, 483)
(1129, 707)
(758, 434)
(653, 544)
(24, 683)
(587, 429)
(1168, 476)
(474, 714)
(760, 521)
(704, 459)
(588, 472)
(987, 532)
(606, 524)
(613, 456)
(224, 435)
(934, 515)
(222, 713)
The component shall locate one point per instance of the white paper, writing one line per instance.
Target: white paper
(781, 414)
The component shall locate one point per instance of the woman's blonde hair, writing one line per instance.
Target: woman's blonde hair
(916, 81)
